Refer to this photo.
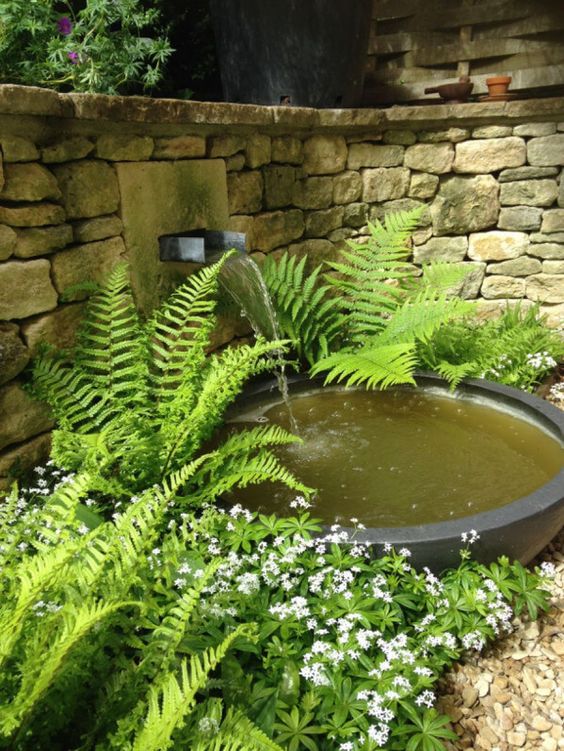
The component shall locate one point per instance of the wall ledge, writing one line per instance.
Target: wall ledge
(35, 101)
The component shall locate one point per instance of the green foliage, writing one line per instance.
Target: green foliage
(307, 313)
(102, 47)
(516, 349)
(136, 403)
(96, 618)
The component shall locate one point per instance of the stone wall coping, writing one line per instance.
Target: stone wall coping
(35, 101)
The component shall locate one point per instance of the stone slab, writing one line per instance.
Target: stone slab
(324, 155)
(347, 187)
(32, 214)
(91, 262)
(546, 151)
(520, 218)
(451, 249)
(489, 154)
(497, 245)
(67, 150)
(497, 287)
(523, 266)
(23, 417)
(28, 181)
(546, 288)
(374, 155)
(436, 158)
(528, 193)
(14, 355)
(180, 147)
(276, 228)
(553, 221)
(37, 241)
(385, 183)
(244, 190)
(90, 188)
(8, 239)
(57, 328)
(465, 204)
(287, 150)
(25, 289)
(124, 148)
(526, 173)
(18, 149)
(315, 192)
(97, 228)
(159, 198)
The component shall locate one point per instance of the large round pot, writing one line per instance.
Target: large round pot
(519, 529)
(307, 53)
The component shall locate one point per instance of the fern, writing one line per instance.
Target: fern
(383, 366)
(307, 313)
(238, 733)
(135, 403)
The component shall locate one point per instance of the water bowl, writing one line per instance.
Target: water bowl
(418, 467)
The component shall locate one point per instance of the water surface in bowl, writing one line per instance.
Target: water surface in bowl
(403, 457)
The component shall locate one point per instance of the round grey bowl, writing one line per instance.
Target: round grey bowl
(519, 530)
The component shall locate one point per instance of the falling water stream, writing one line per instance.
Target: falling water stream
(243, 281)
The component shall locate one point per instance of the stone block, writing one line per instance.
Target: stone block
(487, 310)
(553, 237)
(85, 263)
(223, 146)
(454, 135)
(90, 188)
(325, 155)
(436, 158)
(553, 315)
(423, 185)
(521, 218)
(313, 193)
(465, 204)
(441, 249)
(374, 155)
(179, 147)
(492, 131)
(546, 288)
(35, 241)
(18, 149)
(287, 150)
(28, 181)
(553, 221)
(278, 186)
(546, 151)
(534, 129)
(526, 173)
(561, 193)
(8, 239)
(235, 163)
(258, 151)
(496, 287)
(497, 245)
(1, 172)
(25, 289)
(553, 267)
(338, 236)
(347, 187)
(67, 150)
(316, 251)
(490, 154)
(379, 211)
(244, 190)
(523, 266)
(242, 223)
(551, 251)
(420, 236)
(57, 328)
(276, 228)
(127, 148)
(14, 355)
(355, 215)
(23, 417)
(24, 457)
(384, 183)
(469, 287)
(32, 215)
(528, 193)
(321, 223)
(98, 228)
(400, 137)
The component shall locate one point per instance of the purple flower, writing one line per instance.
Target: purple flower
(73, 57)
(64, 25)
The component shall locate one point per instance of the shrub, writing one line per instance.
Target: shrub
(104, 47)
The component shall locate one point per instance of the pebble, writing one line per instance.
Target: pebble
(509, 697)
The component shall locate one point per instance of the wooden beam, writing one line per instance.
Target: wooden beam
(389, 44)
(535, 24)
(476, 50)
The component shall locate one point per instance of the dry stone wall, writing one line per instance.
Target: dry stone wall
(489, 177)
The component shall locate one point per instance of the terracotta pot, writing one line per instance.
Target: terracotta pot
(498, 85)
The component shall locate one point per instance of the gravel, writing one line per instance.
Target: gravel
(512, 695)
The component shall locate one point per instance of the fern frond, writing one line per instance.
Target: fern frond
(172, 699)
(238, 733)
(374, 366)
(455, 373)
